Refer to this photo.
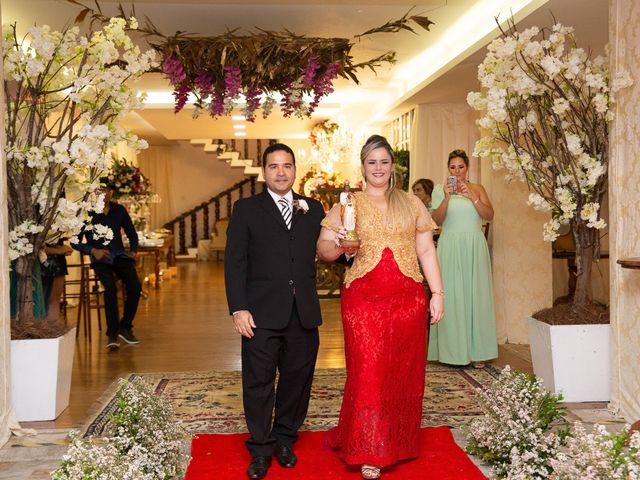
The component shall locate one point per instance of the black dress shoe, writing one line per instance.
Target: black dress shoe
(285, 456)
(258, 467)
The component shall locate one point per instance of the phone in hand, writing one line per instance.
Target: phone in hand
(452, 183)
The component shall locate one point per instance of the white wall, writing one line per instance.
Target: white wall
(198, 176)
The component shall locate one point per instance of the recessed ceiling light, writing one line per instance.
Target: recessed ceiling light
(238, 118)
(239, 127)
(240, 134)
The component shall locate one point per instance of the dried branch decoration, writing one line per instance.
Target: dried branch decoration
(256, 69)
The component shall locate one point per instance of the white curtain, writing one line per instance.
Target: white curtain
(155, 163)
(437, 130)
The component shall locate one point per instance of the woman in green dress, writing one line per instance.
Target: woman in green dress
(467, 333)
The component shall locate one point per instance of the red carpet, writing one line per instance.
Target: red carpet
(224, 457)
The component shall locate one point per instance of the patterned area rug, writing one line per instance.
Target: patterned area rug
(211, 402)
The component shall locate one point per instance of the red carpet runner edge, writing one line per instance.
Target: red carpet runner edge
(224, 457)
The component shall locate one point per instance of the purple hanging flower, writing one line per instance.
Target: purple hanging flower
(232, 81)
(216, 109)
(181, 95)
(203, 83)
(324, 84)
(310, 68)
(252, 95)
(173, 69)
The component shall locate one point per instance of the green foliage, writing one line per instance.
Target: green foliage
(402, 167)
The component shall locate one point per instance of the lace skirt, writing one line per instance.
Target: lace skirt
(384, 318)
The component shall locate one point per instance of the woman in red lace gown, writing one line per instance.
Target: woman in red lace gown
(384, 315)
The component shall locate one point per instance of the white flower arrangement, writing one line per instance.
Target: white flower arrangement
(65, 96)
(522, 435)
(146, 442)
(515, 435)
(545, 107)
(599, 455)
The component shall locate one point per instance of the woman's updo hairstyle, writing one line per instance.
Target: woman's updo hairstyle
(458, 153)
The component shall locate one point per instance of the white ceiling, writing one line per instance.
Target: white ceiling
(442, 74)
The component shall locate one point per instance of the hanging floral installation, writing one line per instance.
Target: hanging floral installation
(546, 108)
(258, 69)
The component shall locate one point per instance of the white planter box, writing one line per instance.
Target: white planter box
(572, 359)
(41, 376)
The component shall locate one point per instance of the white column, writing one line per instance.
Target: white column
(624, 215)
(5, 347)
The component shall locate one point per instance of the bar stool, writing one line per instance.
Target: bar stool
(89, 297)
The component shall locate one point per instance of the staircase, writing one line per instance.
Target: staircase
(197, 223)
(237, 154)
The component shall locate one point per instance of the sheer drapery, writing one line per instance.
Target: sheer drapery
(155, 163)
(438, 129)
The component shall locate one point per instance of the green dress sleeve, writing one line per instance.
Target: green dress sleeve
(437, 196)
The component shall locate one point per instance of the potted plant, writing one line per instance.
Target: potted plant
(546, 107)
(65, 94)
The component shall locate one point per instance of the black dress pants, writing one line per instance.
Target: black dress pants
(125, 270)
(291, 351)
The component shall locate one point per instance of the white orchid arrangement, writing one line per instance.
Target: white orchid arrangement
(146, 442)
(65, 96)
(515, 434)
(545, 107)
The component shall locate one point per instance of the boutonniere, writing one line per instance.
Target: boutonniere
(301, 205)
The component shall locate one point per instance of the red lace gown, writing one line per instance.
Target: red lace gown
(384, 319)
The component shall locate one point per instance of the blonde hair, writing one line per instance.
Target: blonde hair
(400, 208)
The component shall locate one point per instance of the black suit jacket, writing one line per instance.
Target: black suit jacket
(265, 263)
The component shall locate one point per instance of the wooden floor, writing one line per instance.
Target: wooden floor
(185, 326)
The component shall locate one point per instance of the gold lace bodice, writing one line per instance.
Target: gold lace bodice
(376, 235)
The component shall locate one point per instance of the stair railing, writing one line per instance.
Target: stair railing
(202, 213)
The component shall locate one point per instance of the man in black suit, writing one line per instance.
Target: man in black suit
(270, 280)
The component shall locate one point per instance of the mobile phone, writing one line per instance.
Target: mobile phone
(452, 183)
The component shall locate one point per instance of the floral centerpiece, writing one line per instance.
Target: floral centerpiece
(315, 179)
(145, 441)
(133, 189)
(65, 96)
(546, 108)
